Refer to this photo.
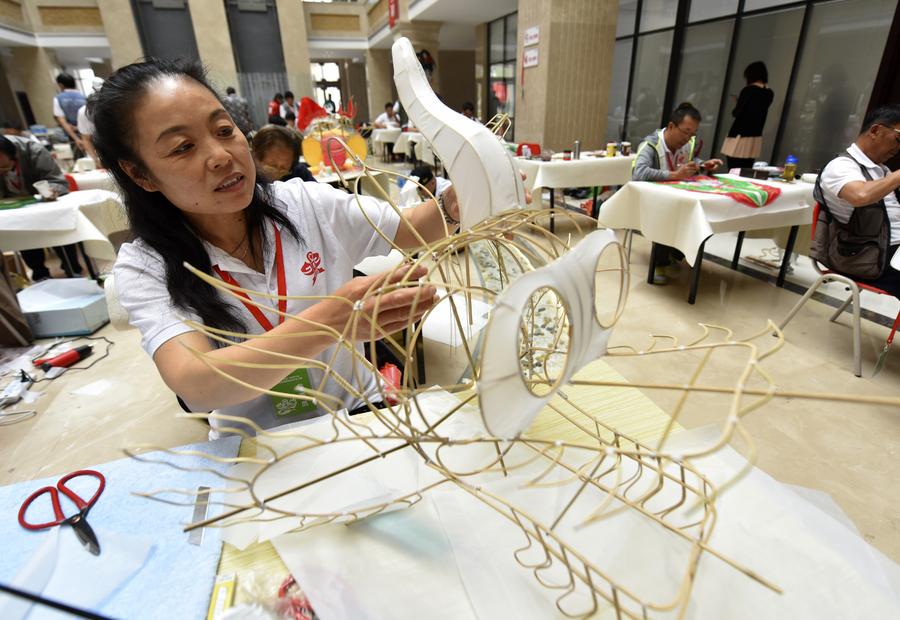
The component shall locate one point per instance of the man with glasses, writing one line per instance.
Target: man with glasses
(859, 195)
(669, 155)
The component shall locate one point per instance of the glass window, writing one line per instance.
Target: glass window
(316, 70)
(703, 62)
(502, 35)
(495, 37)
(509, 48)
(625, 19)
(331, 72)
(837, 69)
(618, 91)
(502, 91)
(752, 5)
(709, 9)
(771, 38)
(657, 14)
(648, 90)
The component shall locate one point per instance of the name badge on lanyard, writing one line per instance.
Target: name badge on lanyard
(284, 406)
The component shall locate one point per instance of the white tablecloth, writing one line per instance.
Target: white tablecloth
(95, 179)
(88, 216)
(386, 135)
(684, 219)
(406, 142)
(587, 172)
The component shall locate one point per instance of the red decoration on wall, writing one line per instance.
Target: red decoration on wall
(393, 12)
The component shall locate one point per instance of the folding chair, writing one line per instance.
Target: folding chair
(853, 300)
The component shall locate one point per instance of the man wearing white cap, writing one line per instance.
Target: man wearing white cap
(86, 127)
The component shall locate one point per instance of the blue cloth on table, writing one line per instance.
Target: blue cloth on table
(177, 578)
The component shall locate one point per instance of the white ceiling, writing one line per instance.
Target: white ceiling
(462, 11)
(459, 19)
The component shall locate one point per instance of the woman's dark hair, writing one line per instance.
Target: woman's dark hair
(273, 135)
(684, 109)
(756, 72)
(154, 219)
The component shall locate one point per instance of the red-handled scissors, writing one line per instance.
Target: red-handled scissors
(78, 521)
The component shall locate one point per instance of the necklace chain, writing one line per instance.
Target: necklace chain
(238, 246)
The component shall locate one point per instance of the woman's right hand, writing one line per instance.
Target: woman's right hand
(397, 308)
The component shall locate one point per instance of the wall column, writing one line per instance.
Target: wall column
(423, 35)
(121, 32)
(565, 97)
(380, 78)
(292, 24)
(214, 41)
(36, 69)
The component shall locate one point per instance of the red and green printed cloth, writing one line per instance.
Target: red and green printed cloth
(745, 192)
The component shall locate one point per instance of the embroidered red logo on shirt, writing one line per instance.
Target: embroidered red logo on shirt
(311, 266)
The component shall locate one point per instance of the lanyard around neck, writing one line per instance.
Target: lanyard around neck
(282, 287)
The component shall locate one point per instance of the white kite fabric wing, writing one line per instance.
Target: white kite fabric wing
(484, 173)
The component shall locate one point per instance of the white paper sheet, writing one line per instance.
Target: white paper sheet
(397, 565)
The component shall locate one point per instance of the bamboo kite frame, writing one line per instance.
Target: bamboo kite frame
(663, 487)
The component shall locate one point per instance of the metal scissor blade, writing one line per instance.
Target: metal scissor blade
(84, 533)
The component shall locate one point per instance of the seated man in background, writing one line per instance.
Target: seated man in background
(387, 119)
(669, 155)
(411, 194)
(859, 197)
(23, 163)
(277, 152)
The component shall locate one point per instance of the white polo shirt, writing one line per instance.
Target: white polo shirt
(335, 236)
(387, 121)
(842, 170)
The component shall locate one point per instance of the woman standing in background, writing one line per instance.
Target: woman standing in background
(744, 141)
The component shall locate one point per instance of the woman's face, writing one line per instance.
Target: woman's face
(191, 149)
(277, 161)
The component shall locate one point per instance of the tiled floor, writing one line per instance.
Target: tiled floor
(848, 450)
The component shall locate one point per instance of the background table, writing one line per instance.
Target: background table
(85, 217)
(385, 137)
(95, 179)
(366, 185)
(586, 172)
(685, 220)
(406, 142)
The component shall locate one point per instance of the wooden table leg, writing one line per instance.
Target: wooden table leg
(737, 250)
(788, 250)
(695, 273)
